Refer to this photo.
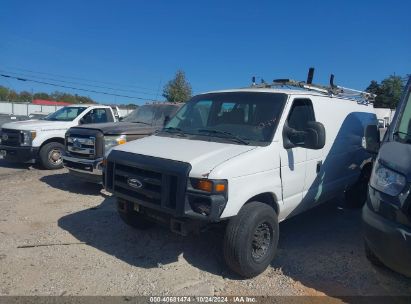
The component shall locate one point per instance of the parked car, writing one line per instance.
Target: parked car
(248, 157)
(4, 118)
(43, 140)
(86, 145)
(387, 214)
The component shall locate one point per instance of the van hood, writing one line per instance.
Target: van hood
(203, 156)
(119, 128)
(38, 125)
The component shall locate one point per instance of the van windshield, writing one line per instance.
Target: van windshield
(238, 117)
(151, 114)
(404, 125)
(65, 114)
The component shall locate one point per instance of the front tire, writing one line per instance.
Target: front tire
(51, 155)
(251, 239)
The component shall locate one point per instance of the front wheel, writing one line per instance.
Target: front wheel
(251, 239)
(51, 155)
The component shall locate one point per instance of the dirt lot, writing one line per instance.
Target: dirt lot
(89, 251)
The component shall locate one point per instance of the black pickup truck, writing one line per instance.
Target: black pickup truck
(86, 146)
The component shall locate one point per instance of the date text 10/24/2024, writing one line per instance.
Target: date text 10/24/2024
(203, 299)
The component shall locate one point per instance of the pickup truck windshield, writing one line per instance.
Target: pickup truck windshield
(65, 114)
(240, 117)
(151, 114)
(404, 125)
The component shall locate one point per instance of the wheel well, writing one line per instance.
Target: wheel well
(54, 139)
(266, 198)
(366, 170)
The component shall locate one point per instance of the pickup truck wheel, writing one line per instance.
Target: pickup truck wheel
(131, 217)
(251, 239)
(51, 155)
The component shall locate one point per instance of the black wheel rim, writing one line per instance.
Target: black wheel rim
(261, 241)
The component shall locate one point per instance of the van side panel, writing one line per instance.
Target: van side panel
(342, 154)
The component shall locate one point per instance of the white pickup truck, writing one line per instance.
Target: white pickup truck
(43, 140)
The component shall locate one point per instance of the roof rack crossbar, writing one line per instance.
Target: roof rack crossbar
(332, 90)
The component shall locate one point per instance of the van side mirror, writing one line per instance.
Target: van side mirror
(371, 139)
(166, 120)
(313, 137)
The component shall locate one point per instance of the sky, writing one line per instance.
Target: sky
(135, 47)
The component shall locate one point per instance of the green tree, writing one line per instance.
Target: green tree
(25, 96)
(178, 89)
(41, 95)
(13, 96)
(388, 91)
(4, 93)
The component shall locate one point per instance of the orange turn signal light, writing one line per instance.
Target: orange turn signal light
(205, 185)
(209, 186)
(219, 187)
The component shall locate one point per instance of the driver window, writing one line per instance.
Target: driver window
(96, 116)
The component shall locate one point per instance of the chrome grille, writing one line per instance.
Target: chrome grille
(81, 146)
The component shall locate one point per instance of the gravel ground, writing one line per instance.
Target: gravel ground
(89, 251)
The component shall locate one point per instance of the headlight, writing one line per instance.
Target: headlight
(112, 141)
(27, 137)
(387, 180)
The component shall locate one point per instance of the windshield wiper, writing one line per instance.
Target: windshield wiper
(226, 135)
(142, 122)
(174, 130)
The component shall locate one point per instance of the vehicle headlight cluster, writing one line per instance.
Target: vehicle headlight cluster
(112, 141)
(387, 180)
(27, 137)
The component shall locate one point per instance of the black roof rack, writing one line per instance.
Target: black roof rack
(332, 90)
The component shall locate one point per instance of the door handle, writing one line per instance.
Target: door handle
(319, 164)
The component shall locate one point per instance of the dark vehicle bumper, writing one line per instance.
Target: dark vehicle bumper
(388, 240)
(86, 169)
(20, 154)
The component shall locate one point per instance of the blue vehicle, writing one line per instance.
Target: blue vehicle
(387, 213)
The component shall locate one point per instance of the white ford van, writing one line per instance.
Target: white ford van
(251, 157)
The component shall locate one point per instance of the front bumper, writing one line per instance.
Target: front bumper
(20, 154)
(388, 240)
(87, 169)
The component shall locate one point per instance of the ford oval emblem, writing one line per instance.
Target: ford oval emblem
(134, 183)
(5, 137)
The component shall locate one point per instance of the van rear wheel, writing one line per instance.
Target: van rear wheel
(356, 195)
(371, 256)
(251, 239)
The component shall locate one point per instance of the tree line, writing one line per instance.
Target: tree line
(7, 94)
(178, 89)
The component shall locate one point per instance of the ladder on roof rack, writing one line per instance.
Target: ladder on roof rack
(332, 90)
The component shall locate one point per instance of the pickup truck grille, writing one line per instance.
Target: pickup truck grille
(81, 146)
(11, 137)
(152, 182)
